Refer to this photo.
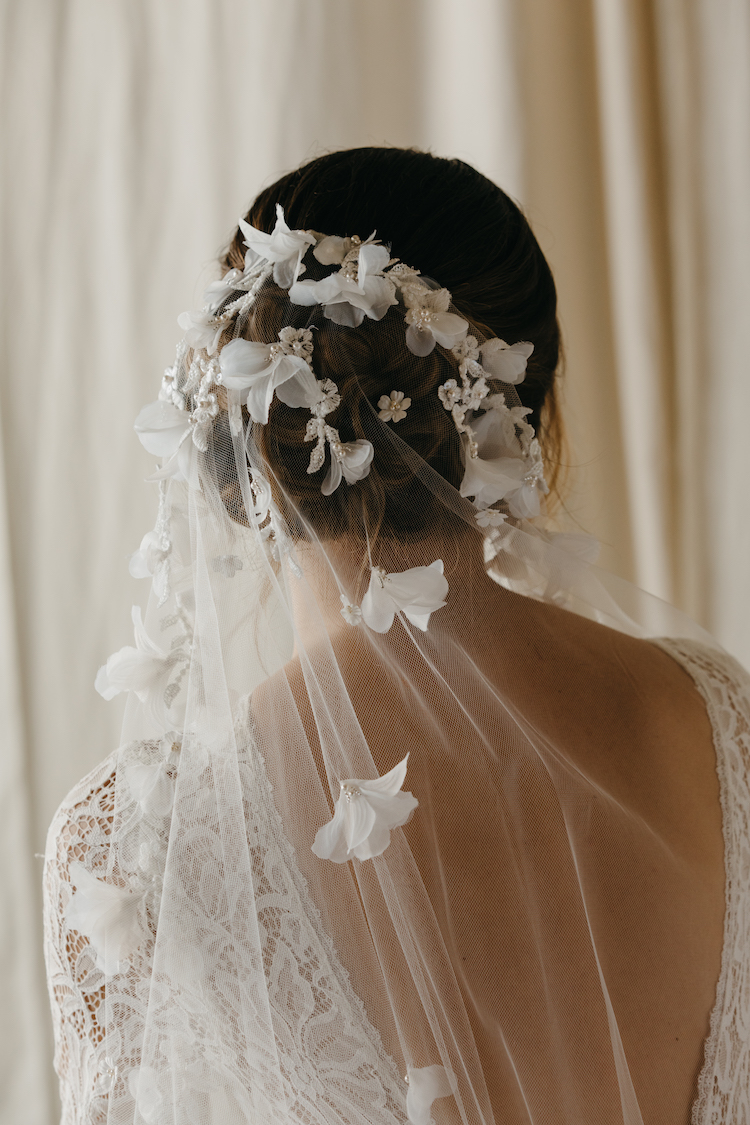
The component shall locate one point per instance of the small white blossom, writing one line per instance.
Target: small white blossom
(364, 816)
(490, 517)
(393, 408)
(151, 787)
(143, 1084)
(449, 393)
(228, 565)
(466, 349)
(142, 669)
(350, 459)
(352, 614)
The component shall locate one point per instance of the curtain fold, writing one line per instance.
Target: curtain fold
(135, 132)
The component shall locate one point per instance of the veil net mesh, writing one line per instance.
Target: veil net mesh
(518, 951)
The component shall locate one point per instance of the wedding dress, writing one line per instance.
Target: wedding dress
(390, 836)
(360, 1081)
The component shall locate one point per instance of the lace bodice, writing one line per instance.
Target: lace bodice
(311, 990)
(724, 1082)
(332, 1062)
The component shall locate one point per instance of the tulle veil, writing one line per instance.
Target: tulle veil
(364, 873)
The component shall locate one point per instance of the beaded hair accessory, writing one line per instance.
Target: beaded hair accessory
(502, 456)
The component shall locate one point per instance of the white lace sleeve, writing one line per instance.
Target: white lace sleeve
(331, 1059)
(79, 833)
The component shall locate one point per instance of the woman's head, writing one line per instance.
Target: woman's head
(447, 220)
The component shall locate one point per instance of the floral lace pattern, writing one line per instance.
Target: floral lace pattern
(724, 1079)
(312, 1001)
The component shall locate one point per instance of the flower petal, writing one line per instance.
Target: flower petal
(418, 342)
(506, 362)
(390, 783)
(426, 1083)
(378, 609)
(302, 389)
(333, 478)
(344, 313)
(329, 840)
(448, 328)
(332, 250)
(359, 821)
(161, 427)
(241, 362)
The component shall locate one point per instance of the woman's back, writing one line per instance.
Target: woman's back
(638, 747)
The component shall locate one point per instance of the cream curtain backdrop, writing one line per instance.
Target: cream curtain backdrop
(134, 133)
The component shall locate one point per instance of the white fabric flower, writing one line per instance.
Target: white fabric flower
(426, 1083)
(364, 816)
(505, 466)
(393, 407)
(228, 565)
(218, 291)
(506, 362)
(352, 614)
(489, 517)
(517, 480)
(347, 296)
(416, 593)
(351, 459)
(201, 329)
(284, 248)
(109, 916)
(259, 369)
(151, 786)
(143, 669)
(430, 322)
(151, 554)
(143, 1085)
(163, 430)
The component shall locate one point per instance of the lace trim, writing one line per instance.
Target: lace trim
(725, 1073)
(244, 735)
(82, 830)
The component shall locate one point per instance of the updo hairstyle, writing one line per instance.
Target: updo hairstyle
(456, 227)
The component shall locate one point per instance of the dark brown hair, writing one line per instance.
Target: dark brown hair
(457, 227)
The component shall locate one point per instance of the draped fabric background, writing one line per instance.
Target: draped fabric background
(135, 131)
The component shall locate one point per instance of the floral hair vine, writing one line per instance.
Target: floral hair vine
(502, 456)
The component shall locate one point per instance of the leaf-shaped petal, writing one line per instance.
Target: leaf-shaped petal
(161, 427)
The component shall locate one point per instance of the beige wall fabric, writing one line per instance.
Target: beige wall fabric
(135, 131)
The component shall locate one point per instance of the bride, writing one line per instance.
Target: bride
(416, 815)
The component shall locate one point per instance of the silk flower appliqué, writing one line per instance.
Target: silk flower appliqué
(416, 593)
(110, 917)
(364, 816)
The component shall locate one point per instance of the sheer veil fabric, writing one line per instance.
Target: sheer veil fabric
(397, 829)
